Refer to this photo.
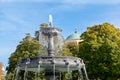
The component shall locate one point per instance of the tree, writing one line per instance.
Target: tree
(101, 51)
(74, 48)
(28, 47)
(2, 75)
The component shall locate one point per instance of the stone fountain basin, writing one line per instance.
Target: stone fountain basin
(61, 64)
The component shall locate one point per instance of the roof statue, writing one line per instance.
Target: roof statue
(76, 30)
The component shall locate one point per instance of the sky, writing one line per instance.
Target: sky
(18, 17)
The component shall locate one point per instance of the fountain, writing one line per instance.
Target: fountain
(52, 65)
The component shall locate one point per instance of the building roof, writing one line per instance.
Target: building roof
(73, 36)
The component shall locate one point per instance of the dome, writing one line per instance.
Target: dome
(73, 36)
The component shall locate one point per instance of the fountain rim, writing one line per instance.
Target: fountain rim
(47, 63)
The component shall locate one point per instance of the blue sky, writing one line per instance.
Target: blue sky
(18, 17)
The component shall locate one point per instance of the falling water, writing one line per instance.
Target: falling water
(60, 76)
(36, 77)
(37, 74)
(80, 77)
(59, 43)
(54, 68)
(38, 69)
(17, 72)
(25, 73)
(85, 72)
(43, 40)
(68, 68)
(69, 72)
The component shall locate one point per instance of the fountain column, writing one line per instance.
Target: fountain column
(50, 45)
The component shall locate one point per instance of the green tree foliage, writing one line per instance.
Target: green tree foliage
(2, 75)
(28, 47)
(74, 48)
(101, 51)
(65, 51)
